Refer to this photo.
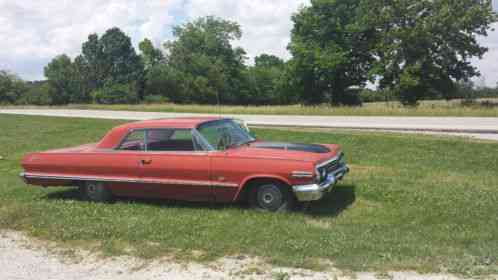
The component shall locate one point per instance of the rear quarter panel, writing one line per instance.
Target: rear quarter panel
(109, 164)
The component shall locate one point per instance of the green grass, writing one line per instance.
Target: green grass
(411, 202)
(426, 108)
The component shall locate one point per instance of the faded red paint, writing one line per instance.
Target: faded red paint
(193, 176)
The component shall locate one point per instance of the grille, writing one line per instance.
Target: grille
(329, 168)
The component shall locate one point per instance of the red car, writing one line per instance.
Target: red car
(193, 159)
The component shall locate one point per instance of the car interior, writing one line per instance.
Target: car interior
(163, 140)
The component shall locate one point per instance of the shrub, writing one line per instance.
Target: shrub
(115, 94)
(155, 99)
(37, 95)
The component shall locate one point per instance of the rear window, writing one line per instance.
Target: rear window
(135, 141)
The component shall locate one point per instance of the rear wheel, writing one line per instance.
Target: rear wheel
(271, 196)
(95, 191)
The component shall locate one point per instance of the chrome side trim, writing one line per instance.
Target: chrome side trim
(127, 180)
(302, 174)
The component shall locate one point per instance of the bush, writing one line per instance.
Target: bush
(350, 97)
(37, 95)
(115, 94)
(155, 99)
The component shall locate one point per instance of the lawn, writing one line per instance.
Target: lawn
(410, 203)
(437, 108)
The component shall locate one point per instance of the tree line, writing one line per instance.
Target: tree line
(409, 50)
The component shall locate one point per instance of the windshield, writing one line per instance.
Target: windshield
(224, 134)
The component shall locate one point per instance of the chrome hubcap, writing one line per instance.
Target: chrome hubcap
(91, 188)
(268, 198)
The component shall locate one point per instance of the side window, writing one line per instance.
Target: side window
(170, 140)
(135, 141)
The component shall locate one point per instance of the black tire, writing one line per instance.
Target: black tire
(95, 191)
(271, 196)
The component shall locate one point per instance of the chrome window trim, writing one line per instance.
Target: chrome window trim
(193, 132)
(204, 143)
(123, 139)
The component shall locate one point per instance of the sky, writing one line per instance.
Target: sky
(32, 32)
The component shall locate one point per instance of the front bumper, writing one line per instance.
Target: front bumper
(315, 192)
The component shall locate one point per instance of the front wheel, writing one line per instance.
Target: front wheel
(95, 191)
(272, 197)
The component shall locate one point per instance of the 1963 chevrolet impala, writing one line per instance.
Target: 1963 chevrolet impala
(193, 159)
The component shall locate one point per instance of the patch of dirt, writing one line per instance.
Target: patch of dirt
(25, 258)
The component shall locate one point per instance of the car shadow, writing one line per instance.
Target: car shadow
(335, 202)
(74, 194)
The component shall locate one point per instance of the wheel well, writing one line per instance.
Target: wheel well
(255, 182)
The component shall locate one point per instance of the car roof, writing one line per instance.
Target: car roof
(186, 122)
(114, 137)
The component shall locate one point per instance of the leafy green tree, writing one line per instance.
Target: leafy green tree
(110, 59)
(163, 80)
(93, 60)
(268, 60)
(121, 62)
(11, 87)
(264, 81)
(205, 59)
(424, 46)
(81, 77)
(150, 55)
(59, 73)
(37, 93)
(331, 45)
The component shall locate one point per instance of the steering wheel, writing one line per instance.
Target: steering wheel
(224, 141)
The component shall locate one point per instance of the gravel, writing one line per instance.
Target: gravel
(24, 258)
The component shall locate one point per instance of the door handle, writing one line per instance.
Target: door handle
(146, 161)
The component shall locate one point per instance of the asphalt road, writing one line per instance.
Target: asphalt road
(482, 128)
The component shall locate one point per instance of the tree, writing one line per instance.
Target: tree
(264, 80)
(150, 55)
(424, 46)
(11, 87)
(210, 67)
(268, 60)
(59, 73)
(92, 59)
(331, 47)
(37, 93)
(110, 59)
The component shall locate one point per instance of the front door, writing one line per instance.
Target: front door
(174, 167)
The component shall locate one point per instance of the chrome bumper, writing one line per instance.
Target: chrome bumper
(315, 192)
(22, 175)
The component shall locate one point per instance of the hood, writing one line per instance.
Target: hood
(275, 150)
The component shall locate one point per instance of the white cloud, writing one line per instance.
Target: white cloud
(266, 25)
(32, 31)
(488, 65)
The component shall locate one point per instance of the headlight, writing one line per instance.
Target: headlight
(323, 174)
